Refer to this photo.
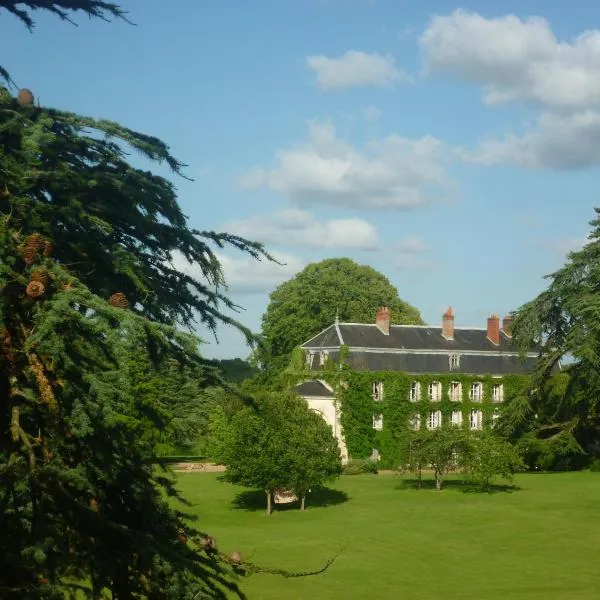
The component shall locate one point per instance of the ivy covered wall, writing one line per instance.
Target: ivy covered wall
(358, 407)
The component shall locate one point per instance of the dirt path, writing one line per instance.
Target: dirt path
(191, 467)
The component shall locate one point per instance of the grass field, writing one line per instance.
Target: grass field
(541, 541)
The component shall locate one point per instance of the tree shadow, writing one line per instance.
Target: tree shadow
(255, 500)
(461, 485)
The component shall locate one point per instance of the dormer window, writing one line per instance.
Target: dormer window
(454, 361)
(309, 358)
(377, 391)
(323, 355)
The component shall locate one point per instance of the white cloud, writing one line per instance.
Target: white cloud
(394, 172)
(515, 59)
(355, 69)
(249, 276)
(295, 227)
(246, 275)
(557, 141)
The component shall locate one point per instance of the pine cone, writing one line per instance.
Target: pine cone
(40, 275)
(236, 558)
(25, 97)
(35, 289)
(32, 245)
(119, 300)
(48, 248)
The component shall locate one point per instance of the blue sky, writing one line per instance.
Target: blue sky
(453, 148)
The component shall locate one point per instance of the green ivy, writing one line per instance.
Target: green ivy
(358, 407)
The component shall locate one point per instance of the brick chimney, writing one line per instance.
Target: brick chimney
(382, 320)
(448, 324)
(506, 325)
(493, 329)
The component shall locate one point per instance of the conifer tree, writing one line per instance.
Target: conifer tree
(91, 304)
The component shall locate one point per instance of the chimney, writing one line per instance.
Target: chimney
(506, 325)
(448, 324)
(382, 320)
(493, 329)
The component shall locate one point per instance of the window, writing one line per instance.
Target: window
(476, 419)
(415, 391)
(454, 361)
(435, 391)
(475, 393)
(309, 359)
(375, 454)
(495, 417)
(323, 355)
(415, 422)
(435, 419)
(456, 418)
(377, 391)
(455, 391)
(497, 392)
(378, 422)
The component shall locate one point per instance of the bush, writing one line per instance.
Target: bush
(357, 466)
(595, 465)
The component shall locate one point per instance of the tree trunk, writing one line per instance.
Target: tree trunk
(268, 502)
(302, 499)
(438, 481)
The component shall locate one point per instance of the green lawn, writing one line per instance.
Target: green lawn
(542, 541)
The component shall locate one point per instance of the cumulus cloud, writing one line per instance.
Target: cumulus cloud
(355, 69)
(296, 227)
(557, 141)
(515, 59)
(391, 173)
(246, 275)
(249, 276)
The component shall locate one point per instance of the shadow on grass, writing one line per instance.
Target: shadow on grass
(461, 485)
(255, 500)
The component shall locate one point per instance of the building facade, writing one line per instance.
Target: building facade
(393, 378)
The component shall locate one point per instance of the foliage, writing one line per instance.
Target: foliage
(281, 444)
(358, 466)
(235, 370)
(358, 407)
(487, 456)
(308, 303)
(91, 299)
(219, 435)
(564, 320)
(595, 465)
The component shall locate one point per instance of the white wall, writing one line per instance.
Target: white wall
(327, 409)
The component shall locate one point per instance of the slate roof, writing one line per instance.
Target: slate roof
(313, 388)
(408, 337)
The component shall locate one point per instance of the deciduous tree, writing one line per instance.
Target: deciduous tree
(281, 444)
(309, 302)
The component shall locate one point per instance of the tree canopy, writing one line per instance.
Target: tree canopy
(91, 306)
(562, 415)
(278, 444)
(310, 301)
